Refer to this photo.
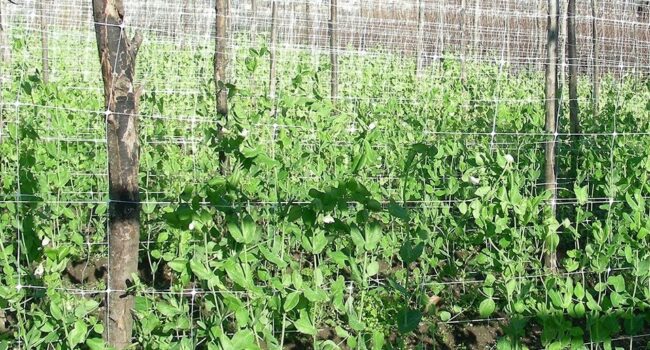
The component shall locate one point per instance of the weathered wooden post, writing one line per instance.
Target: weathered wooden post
(117, 54)
(253, 22)
(334, 61)
(5, 52)
(475, 33)
(221, 47)
(550, 256)
(595, 92)
(45, 61)
(573, 86)
(573, 68)
(274, 35)
(463, 44)
(418, 54)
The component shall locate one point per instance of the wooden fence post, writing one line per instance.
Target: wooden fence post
(595, 92)
(117, 54)
(254, 22)
(221, 47)
(5, 52)
(573, 65)
(45, 61)
(418, 54)
(274, 35)
(334, 79)
(463, 44)
(550, 256)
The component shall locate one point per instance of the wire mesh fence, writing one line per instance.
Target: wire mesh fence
(407, 210)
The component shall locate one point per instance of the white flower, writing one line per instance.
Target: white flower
(39, 271)
(243, 133)
(225, 131)
(474, 180)
(352, 129)
(45, 241)
(372, 126)
(509, 159)
(328, 219)
(192, 226)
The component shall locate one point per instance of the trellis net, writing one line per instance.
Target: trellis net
(408, 210)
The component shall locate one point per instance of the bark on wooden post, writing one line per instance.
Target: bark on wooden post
(274, 34)
(117, 54)
(334, 60)
(573, 68)
(308, 24)
(44, 44)
(540, 27)
(5, 57)
(461, 23)
(561, 44)
(550, 256)
(476, 26)
(254, 22)
(573, 86)
(221, 47)
(595, 93)
(5, 52)
(418, 55)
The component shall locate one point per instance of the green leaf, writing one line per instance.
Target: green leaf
(372, 269)
(398, 211)
(482, 191)
(319, 243)
(200, 270)
(291, 301)
(249, 230)
(378, 340)
(409, 253)
(178, 265)
(579, 291)
(373, 236)
(95, 344)
(78, 334)
(273, 257)
(618, 282)
(166, 309)
(582, 194)
(244, 339)
(408, 320)
(487, 307)
(445, 316)
(304, 324)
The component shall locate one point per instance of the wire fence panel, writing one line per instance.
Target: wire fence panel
(378, 180)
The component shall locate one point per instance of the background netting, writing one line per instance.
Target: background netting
(331, 196)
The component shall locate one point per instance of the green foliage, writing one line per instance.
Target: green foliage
(349, 226)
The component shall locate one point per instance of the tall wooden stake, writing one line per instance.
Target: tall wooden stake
(221, 47)
(117, 55)
(476, 26)
(562, 34)
(463, 44)
(595, 93)
(573, 87)
(5, 57)
(550, 258)
(308, 24)
(274, 34)
(418, 55)
(573, 68)
(540, 27)
(254, 22)
(5, 52)
(44, 44)
(334, 79)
